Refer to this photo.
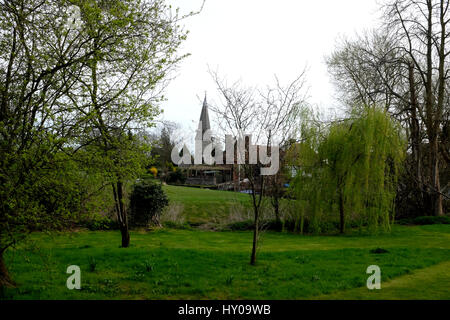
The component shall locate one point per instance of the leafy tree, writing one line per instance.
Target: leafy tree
(351, 170)
(66, 88)
(162, 149)
(119, 89)
(38, 57)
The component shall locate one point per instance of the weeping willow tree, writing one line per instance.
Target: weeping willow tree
(306, 186)
(347, 173)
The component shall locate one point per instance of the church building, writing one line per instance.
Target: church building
(209, 175)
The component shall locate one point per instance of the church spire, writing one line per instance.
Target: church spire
(204, 116)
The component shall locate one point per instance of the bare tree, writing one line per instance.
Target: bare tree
(421, 27)
(269, 115)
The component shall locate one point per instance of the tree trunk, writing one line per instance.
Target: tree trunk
(276, 206)
(437, 199)
(255, 239)
(415, 134)
(438, 210)
(341, 212)
(124, 226)
(125, 236)
(121, 213)
(5, 279)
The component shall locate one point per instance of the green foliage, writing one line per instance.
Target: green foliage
(162, 151)
(99, 222)
(241, 225)
(69, 118)
(147, 201)
(348, 172)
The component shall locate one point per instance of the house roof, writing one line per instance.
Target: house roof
(206, 167)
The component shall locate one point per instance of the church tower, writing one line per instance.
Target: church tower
(204, 117)
(204, 132)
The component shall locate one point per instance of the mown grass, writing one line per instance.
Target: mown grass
(188, 264)
(424, 284)
(201, 205)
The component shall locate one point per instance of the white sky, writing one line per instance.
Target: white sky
(252, 40)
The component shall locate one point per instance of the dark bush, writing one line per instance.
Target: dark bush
(431, 220)
(273, 225)
(99, 222)
(147, 201)
(177, 176)
(424, 220)
(270, 225)
(241, 225)
(294, 226)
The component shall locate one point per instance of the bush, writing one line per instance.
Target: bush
(428, 220)
(99, 222)
(241, 225)
(176, 176)
(431, 220)
(147, 201)
(246, 225)
(273, 225)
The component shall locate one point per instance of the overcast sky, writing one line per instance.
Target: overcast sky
(252, 40)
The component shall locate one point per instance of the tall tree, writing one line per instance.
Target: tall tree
(410, 66)
(163, 146)
(270, 117)
(36, 54)
(422, 30)
(350, 166)
(120, 86)
(67, 86)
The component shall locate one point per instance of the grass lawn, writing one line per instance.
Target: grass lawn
(200, 206)
(194, 264)
(427, 283)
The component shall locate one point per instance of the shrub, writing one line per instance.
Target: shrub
(424, 220)
(176, 176)
(241, 225)
(99, 222)
(431, 220)
(273, 225)
(147, 201)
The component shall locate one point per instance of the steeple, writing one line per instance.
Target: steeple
(204, 117)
